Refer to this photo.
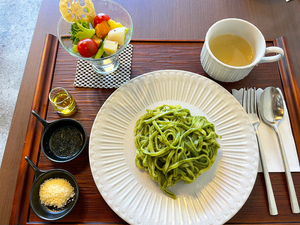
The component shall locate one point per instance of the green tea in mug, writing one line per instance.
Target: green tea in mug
(232, 49)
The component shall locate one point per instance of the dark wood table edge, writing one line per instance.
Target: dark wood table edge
(290, 86)
(290, 89)
(34, 130)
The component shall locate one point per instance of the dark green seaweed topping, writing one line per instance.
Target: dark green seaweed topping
(66, 141)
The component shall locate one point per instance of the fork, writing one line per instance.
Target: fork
(250, 106)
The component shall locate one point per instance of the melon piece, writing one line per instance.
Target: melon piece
(118, 35)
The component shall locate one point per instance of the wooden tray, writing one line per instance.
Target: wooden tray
(58, 69)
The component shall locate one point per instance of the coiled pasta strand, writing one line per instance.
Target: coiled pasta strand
(172, 145)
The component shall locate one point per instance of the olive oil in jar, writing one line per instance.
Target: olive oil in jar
(62, 101)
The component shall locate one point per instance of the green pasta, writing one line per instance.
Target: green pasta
(173, 145)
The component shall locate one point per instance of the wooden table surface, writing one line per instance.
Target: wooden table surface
(155, 19)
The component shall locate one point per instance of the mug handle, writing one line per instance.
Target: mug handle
(274, 58)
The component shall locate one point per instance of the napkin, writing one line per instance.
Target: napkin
(270, 142)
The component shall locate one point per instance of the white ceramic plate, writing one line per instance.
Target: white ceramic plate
(216, 195)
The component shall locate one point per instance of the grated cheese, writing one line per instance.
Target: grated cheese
(56, 192)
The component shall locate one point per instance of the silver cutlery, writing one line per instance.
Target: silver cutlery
(250, 105)
(271, 110)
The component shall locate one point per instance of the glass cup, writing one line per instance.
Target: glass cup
(227, 73)
(62, 101)
(110, 63)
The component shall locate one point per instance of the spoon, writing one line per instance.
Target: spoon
(271, 110)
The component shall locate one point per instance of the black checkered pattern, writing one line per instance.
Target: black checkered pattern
(87, 77)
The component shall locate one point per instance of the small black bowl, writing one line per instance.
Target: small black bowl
(52, 128)
(40, 176)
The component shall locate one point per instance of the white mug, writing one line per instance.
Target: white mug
(227, 73)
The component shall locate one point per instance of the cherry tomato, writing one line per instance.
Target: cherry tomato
(87, 47)
(100, 17)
